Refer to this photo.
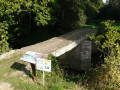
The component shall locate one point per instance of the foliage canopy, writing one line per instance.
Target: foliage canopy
(18, 18)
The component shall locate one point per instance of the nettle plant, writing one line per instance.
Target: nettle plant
(108, 43)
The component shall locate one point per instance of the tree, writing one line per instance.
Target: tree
(12, 13)
(111, 10)
(20, 17)
(107, 76)
(74, 13)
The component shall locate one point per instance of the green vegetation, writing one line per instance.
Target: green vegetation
(26, 22)
(56, 80)
(92, 26)
(13, 17)
(19, 20)
(107, 75)
(4, 45)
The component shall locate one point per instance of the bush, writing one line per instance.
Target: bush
(108, 75)
(82, 18)
(4, 46)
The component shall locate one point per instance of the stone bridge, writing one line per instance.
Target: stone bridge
(72, 49)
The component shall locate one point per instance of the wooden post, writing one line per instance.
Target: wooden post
(43, 79)
(33, 71)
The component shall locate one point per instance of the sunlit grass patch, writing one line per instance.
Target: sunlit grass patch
(92, 26)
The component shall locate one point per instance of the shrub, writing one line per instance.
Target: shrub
(4, 46)
(107, 76)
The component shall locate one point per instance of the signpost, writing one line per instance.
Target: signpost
(30, 57)
(35, 59)
(44, 65)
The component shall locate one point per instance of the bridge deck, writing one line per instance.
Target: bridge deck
(59, 45)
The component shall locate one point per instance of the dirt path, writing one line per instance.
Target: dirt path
(6, 86)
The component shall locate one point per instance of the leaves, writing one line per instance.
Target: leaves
(11, 12)
(4, 46)
(108, 75)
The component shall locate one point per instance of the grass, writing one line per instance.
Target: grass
(91, 26)
(25, 82)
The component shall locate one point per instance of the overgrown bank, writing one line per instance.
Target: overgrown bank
(106, 76)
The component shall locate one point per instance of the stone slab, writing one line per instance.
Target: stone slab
(60, 45)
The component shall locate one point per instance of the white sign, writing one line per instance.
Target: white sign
(36, 58)
(30, 57)
(43, 64)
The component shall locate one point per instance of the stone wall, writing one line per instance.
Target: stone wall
(78, 58)
(85, 55)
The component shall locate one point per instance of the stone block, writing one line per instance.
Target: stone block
(78, 58)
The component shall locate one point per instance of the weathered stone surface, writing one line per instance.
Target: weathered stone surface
(62, 44)
(71, 45)
(78, 58)
(85, 55)
(7, 54)
(72, 53)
